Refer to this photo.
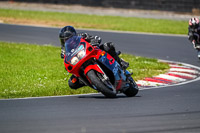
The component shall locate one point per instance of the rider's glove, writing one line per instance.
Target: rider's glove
(194, 44)
(193, 41)
(62, 53)
(85, 35)
(98, 39)
(95, 40)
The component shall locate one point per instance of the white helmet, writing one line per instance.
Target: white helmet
(194, 22)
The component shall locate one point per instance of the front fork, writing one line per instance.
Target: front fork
(105, 79)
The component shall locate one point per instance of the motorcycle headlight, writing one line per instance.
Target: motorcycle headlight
(74, 60)
(81, 54)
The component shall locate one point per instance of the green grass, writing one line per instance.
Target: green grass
(93, 21)
(32, 70)
(144, 67)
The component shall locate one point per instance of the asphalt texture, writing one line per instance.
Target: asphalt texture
(174, 109)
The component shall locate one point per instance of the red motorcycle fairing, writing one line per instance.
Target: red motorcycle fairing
(90, 53)
(93, 67)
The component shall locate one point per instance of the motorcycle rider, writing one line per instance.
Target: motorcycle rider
(69, 31)
(194, 32)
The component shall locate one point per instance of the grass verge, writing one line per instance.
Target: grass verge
(59, 19)
(32, 71)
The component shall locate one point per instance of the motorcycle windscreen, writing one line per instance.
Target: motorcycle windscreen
(70, 47)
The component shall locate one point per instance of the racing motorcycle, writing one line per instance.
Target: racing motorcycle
(97, 69)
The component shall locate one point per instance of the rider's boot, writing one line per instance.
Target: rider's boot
(109, 47)
(122, 63)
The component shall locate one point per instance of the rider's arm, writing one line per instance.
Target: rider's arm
(62, 43)
(190, 34)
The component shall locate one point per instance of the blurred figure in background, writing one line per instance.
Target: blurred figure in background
(194, 33)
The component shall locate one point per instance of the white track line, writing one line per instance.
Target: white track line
(176, 79)
(149, 83)
(184, 70)
(184, 74)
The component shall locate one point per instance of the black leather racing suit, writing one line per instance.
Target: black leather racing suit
(194, 36)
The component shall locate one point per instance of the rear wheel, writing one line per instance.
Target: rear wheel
(133, 88)
(102, 85)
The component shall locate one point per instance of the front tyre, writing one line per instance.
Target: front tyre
(100, 86)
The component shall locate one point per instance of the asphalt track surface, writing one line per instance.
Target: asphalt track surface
(173, 109)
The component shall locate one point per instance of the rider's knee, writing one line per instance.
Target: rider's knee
(74, 82)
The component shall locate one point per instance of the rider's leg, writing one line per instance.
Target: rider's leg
(62, 52)
(109, 47)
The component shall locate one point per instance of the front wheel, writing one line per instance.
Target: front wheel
(133, 88)
(104, 88)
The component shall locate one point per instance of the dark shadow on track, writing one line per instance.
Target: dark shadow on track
(103, 97)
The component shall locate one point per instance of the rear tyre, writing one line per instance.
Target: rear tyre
(133, 88)
(100, 86)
